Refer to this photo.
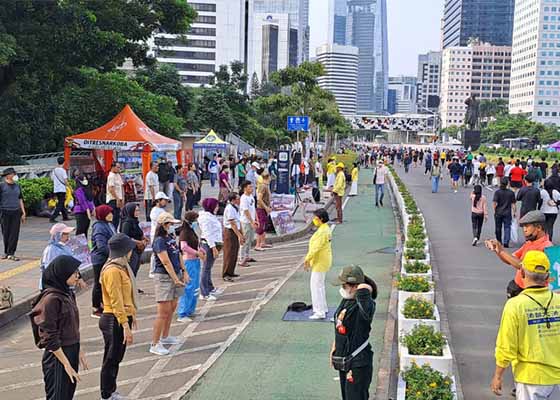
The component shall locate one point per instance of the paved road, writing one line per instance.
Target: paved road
(473, 279)
(144, 375)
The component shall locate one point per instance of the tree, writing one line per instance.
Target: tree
(514, 126)
(255, 86)
(490, 109)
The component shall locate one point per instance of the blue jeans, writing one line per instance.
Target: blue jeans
(379, 193)
(206, 285)
(187, 302)
(435, 184)
(504, 220)
(177, 205)
(213, 178)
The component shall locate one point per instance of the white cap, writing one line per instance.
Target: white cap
(161, 195)
(255, 164)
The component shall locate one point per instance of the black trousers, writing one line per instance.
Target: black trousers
(358, 389)
(477, 221)
(549, 224)
(60, 209)
(113, 336)
(96, 296)
(82, 224)
(58, 385)
(116, 213)
(135, 261)
(10, 222)
(148, 204)
(191, 200)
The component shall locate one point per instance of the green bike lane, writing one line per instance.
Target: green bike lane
(273, 359)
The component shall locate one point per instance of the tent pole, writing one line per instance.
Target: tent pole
(67, 154)
(146, 161)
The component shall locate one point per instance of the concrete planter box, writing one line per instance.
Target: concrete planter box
(428, 275)
(406, 325)
(401, 388)
(404, 260)
(443, 364)
(428, 296)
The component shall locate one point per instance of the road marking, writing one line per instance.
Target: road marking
(18, 270)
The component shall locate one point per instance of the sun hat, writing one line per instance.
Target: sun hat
(166, 218)
(536, 261)
(161, 196)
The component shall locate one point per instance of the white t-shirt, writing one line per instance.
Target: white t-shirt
(115, 181)
(59, 177)
(230, 214)
(380, 178)
(247, 203)
(154, 214)
(507, 169)
(546, 207)
(318, 168)
(152, 181)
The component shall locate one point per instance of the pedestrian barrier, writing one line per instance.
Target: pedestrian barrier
(423, 352)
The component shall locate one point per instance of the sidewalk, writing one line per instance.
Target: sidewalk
(289, 360)
(23, 276)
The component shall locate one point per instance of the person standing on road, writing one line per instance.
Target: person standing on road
(163, 176)
(55, 321)
(119, 312)
(249, 222)
(435, 175)
(479, 212)
(535, 239)
(115, 192)
(241, 172)
(263, 211)
(233, 237)
(84, 209)
(59, 177)
(379, 181)
(170, 281)
(213, 169)
(516, 175)
(319, 172)
(338, 191)
(490, 174)
(193, 185)
(211, 239)
(131, 227)
(355, 177)
(151, 188)
(504, 208)
(179, 192)
(102, 231)
(550, 201)
(428, 163)
(528, 337)
(319, 261)
(331, 172)
(529, 196)
(455, 170)
(12, 213)
(353, 319)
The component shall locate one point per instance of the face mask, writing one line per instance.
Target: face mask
(316, 222)
(16, 178)
(85, 182)
(345, 294)
(194, 225)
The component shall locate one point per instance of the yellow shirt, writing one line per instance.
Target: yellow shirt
(331, 168)
(116, 289)
(319, 254)
(355, 174)
(340, 184)
(525, 341)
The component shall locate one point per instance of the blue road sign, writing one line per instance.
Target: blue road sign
(296, 123)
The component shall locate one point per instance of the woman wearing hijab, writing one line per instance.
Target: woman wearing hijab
(119, 311)
(60, 234)
(130, 226)
(103, 230)
(211, 239)
(188, 240)
(83, 205)
(56, 328)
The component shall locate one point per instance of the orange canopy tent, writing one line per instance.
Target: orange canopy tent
(125, 132)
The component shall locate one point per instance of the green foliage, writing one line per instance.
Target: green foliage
(416, 267)
(415, 243)
(493, 108)
(425, 383)
(34, 190)
(424, 340)
(513, 126)
(415, 284)
(415, 254)
(418, 308)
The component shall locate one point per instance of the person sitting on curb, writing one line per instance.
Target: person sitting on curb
(536, 239)
(529, 336)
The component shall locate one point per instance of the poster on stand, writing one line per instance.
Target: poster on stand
(282, 202)
(80, 250)
(283, 222)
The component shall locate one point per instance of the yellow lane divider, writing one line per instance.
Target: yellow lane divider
(18, 270)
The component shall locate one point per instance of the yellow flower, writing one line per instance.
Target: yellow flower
(433, 385)
(418, 393)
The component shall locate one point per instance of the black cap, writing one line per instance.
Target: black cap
(9, 171)
(120, 245)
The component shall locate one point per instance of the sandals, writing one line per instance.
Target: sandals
(13, 258)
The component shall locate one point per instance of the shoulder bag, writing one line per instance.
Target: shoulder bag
(344, 364)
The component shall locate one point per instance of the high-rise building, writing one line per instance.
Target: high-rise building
(429, 76)
(365, 25)
(491, 21)
(216, 37)
(341, 75)
(480, 69)
(405, 93)
(535, 69)
(338, 14)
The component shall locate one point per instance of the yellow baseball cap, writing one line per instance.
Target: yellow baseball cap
(340, 165)
(536, 261)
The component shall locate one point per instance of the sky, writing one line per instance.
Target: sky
(414, 28)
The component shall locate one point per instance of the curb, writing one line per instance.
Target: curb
(23, 306)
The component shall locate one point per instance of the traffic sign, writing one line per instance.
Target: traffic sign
(296, 123)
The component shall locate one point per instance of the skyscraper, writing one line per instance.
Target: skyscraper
(405, 93)
(491, 21)
(365, 25)
(429, 76)
(535, 67)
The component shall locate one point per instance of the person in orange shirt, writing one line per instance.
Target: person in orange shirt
(536, 238)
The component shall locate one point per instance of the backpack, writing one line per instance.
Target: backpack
(532, 174)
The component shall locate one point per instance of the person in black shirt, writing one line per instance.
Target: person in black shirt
(529, 196)
(544, 167)
(351, 352)
(504, 205)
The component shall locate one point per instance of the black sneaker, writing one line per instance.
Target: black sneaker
(381, 202)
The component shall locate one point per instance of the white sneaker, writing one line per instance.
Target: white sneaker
(201, 297)
(117, 396)
(217, 291)
(158, 349)
(184, 319)
(169, 340)
(151, 275)
(318, 316)
(210, 297)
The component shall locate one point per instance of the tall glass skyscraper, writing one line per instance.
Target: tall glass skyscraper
(491, 21)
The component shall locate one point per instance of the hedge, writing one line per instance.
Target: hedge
(34, 190)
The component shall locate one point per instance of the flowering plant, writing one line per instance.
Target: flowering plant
(415, 254)
(416, 267)
(418, 308)
(424, 340)
(425, 383)
(417, 243)
(413, 284)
